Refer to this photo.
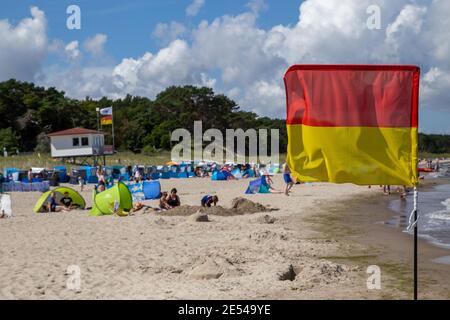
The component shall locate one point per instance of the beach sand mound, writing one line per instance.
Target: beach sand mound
(239, 206)
(199, 217)
(243, 206)
(213, 268)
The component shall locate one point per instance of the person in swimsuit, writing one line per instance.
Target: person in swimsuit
(30, 175)
(101, 178)
(208, 200)
(287, 178)
(173, 199)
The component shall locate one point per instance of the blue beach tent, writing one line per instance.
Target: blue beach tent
(258, 186)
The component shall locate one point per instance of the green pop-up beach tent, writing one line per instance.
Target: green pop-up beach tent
(76, 198)
(104, 203)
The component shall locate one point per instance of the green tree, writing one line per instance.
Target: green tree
(8, 139)
(43, 143)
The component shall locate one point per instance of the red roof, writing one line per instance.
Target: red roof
(74, 131)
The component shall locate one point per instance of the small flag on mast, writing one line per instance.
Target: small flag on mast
(106, 120)
(106, 111)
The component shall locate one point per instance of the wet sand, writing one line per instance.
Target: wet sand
(360, 225)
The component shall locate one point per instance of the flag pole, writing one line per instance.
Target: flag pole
(415, 242)
(112, 127)
(98, 121)
(413, 219)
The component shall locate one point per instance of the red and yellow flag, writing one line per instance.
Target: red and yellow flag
(105, 120)
(353, 123)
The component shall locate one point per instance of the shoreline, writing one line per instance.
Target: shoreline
(368, 240)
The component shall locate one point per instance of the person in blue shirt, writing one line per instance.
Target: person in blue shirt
(208, 200)
(52, 204)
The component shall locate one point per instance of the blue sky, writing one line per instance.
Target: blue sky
(129, 24)
(238, 47)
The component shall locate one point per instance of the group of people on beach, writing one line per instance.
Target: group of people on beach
(65, 204)
(171, 200)
(401, 190)
(435, 166)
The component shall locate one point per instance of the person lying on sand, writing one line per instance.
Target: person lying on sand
(208, 200)
(137, 206)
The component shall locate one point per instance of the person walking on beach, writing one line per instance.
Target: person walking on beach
(403, 192)
(81, 182)
(30, 175)
(437, 165)
(101, 177)
(287, 178)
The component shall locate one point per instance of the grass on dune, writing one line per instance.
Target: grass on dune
(25, 161)
(427, 155)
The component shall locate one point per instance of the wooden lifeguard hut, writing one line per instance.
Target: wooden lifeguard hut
(79, 143)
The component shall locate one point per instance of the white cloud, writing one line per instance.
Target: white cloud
(168, 31)
(237, 57)
(436, 87)
(72, 50)
(96, 44)
(193, 9)
(257, 5)
(23, 47)
(263, 95)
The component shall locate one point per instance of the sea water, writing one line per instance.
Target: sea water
(434, 214)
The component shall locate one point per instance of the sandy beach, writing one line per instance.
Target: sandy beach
(316, 245)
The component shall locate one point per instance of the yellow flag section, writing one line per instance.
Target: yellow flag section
(369, 156)
(353, 124)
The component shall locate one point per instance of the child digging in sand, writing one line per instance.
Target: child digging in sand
(163, 205)
(208, 200)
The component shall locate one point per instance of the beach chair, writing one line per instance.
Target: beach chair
(165, 172)
(62, 173)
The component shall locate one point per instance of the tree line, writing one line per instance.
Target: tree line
(434, 143)
(29, 112)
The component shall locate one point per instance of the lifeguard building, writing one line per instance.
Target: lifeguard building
(79, 143)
